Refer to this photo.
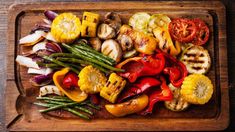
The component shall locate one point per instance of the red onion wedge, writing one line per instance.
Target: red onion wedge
(41, 80)
(54, 47)
(32, 39)
(42, 71)
(50, 15)
(49, 89)
(26, 61)
(50, 37)
(46, 48)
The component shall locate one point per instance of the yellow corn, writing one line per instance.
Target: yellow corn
(89, 24)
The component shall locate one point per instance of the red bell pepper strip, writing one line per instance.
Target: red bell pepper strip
(176, 70)
(70, 80)
(139, 87)
(163, 94)
(146, 65)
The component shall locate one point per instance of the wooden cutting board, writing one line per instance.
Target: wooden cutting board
(21, 115)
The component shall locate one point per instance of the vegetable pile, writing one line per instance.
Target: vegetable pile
(129, 68)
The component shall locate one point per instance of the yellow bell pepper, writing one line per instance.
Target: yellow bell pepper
(89, 24)
(132, 106)
(113, 87)
(75, 94)
(165, 41)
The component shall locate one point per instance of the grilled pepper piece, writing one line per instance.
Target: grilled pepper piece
(66, 28)
(89, 24)
(163, 94)
(74, 94)
(132, 106)
(139, 87)
(142, 66)
(113, 87)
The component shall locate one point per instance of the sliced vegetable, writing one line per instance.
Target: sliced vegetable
(32, 39)
(112, 49)
(42, 71)
(50, 37)
(177, 103)
(95, 43)
(105, 32)
(113, 87)
(202, 34)
(132, 106)
(75, 94)
(50, 15)
(126, 42)
(89, 23)
(182, 29)
(41, 80)
(139, 21)
(130, 54)
(113, 20)
(197, 89)
(70, 80)
(91, 80)
(49, 89)
(66, 28)
(142, 42)
(196, 59)
(26, 61)
(158, 20)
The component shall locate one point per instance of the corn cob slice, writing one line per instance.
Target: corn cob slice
(66, 28)
(89, 24)
(177, 103)
(113, 87)
(196, 89)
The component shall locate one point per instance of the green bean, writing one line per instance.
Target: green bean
(93, 106)
(94, 56)
(54, 99)
(74, 51)
(89, 49)
(60, 63)
(77, 113)
(43, 104)
(73, 60)
(57, 107)
(62, 55)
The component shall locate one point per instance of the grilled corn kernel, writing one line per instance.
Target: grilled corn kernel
(113, 87)
(89, 24)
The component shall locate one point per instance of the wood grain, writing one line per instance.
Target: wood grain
(230, 9)
(207, 117)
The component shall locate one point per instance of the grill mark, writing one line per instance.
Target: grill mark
(195, 61)
(189, 55)
(197, 68)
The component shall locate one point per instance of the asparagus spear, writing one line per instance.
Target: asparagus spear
(57, 107)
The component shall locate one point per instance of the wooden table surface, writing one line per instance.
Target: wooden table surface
(230, 9)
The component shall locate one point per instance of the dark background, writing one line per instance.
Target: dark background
(230, 16)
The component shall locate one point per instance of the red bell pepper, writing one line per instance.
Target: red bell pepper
(139, 87)
(175, 69)
(70, 80)
(163, 94)
(146, 65)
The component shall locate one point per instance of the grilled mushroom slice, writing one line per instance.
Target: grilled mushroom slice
(196, 59)
(113, 20)
(106, 32)
(112, 49)
(95, 43)
(125, 42)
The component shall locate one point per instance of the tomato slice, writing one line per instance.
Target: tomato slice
(182, 30)
(202, 34)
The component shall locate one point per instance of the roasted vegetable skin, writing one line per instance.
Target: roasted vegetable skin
(197, 89)
(91, 80)
(66, 28)
(113, 87)
(132, 106)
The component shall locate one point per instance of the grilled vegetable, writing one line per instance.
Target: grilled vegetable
(89, 24)
(196, 59)
(129, 54)
(142, 42)
(202, 34)
(106, 32)
(197, 89)
(26, 61)
(132, 106)
(126, 42)
(70, 80)
(32, 39)
(66, 28)
(91, 80)
(49, 89)
(75, 94)
(177, 103)
(139, 21)
(165, 42)
(158, 20)
(113, 87)
(112, 49)
(95, 43)
(113, 20)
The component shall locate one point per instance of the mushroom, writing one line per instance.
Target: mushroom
(125, 42)
(113, 20)
(95, 43)
(112, 49)
(106, 32)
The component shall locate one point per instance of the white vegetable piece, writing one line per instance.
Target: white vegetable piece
(112, 49)
(50, 37)
(26, 61)
(42, 71)
(39, 46)
(49, 89)
(32, 39)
